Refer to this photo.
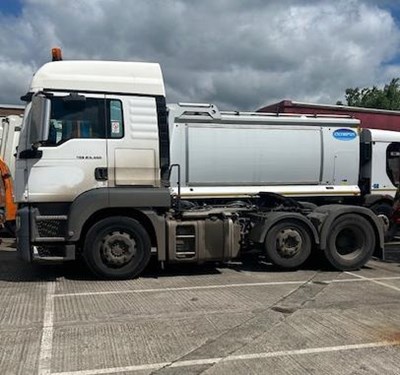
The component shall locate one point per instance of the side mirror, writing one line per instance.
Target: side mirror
(40, 119)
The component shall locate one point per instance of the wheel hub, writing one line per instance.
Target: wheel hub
(118, 248)
(289, 242)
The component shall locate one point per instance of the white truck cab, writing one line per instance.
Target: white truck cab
(96, 126)
(381, 166)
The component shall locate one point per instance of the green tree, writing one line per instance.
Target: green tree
(386, 98)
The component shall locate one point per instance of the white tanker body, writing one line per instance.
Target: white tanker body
(238, 154)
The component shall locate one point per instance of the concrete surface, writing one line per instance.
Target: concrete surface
(234, 319)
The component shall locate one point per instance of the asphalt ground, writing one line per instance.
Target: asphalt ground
(241, 318)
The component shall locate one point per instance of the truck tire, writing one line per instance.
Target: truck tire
(288, 244)
(350, 242)
(117, 248)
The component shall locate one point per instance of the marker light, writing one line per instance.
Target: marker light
(56, 54)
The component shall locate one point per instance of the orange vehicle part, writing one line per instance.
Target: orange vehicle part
(7, 197)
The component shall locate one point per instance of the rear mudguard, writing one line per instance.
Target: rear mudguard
(372, 199)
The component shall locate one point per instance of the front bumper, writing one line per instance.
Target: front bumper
(22, 233)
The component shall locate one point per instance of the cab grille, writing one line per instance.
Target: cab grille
(51, 226)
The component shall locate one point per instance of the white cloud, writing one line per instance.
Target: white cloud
(239, 55)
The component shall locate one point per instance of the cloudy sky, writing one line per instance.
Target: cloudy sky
(238, 54)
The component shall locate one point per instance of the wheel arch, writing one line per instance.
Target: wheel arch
(146, 205)
(132, 213)
(374, 199)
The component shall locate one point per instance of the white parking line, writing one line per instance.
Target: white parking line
(375, 281)
(46, 343)
(220, 286)
(243, 357)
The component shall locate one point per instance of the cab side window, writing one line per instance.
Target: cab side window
(115, 118)
(92, 118)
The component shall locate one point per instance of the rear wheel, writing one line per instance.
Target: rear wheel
(117, 248)
(350, 243)
(288, 244)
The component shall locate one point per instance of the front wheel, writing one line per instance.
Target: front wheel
(288, 244)
(117, 248)
(350, 243)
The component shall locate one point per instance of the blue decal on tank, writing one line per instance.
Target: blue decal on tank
(344, 134)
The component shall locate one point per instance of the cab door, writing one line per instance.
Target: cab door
(74, 158)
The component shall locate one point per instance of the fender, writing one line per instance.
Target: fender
(371, 199)
(260, 230)
(333, 211)
(92, 201)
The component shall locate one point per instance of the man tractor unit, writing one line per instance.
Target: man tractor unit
(107, 171)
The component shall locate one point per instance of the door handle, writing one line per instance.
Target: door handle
(101, 174)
